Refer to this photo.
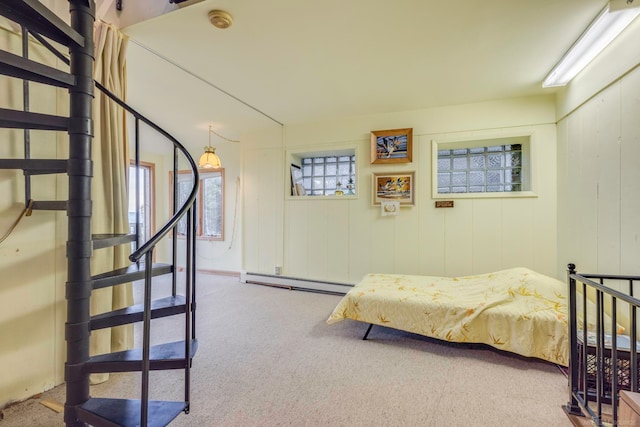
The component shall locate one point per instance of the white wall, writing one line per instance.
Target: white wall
(32, 258)
(262, 197)
(598, 174)
(226, 255)
(619, 58)
(217, 256)
(342, 239)
(598, 152)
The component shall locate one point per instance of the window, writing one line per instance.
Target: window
(211, 204)
(210, 215)
(146, 205)
(486, 166)
(324, 175)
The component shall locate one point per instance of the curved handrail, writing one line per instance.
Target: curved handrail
(153, 240)
(177, 216)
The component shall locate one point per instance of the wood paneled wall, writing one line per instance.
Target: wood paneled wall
(340, 240)
(599, 181)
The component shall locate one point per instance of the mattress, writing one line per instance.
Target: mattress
(516, 310)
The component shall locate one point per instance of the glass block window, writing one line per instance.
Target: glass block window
(490, 169)
(321, 175)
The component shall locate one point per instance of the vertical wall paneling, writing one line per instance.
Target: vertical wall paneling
(487, 226)
(337, 248)
(458, 245)
(343, 239)
(270, 209)
(360, 238)
(297, 240)
(608, 203)
(407, 243)
(519, 239)
(262, 200)
(587, 188)
(384, 237)
(630, 174)
(545, 207)
(570, 211)
(431, 232)
(564, 242)
(600, 222)
(250, 201)
(317, 226)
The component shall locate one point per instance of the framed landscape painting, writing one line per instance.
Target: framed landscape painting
(394, 186)
(391, 146)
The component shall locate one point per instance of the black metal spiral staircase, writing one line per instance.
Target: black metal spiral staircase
(80, 409)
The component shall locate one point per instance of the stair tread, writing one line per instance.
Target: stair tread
(128, 274)
(161, 356)
(35, 165)
(126, 412)
(23, 68)
(49, 205)
(35, 16)
(18, 119)
(108, 240)
(159, 308)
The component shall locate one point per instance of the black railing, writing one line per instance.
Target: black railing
(145, 250)
(603, 356)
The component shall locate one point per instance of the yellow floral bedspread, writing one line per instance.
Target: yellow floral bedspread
(516, 310)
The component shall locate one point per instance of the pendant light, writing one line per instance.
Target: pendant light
(209, 160)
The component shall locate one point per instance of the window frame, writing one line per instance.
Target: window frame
(528, 175)
(200, 201)
(151, 214)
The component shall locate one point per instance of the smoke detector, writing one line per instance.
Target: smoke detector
(220, 19)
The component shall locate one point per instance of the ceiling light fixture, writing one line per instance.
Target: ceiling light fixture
(220, 19)
(606, 27)
(209, 159)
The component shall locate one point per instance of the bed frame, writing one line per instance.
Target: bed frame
(592, 366)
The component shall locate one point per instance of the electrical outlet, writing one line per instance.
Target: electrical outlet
(278, 270)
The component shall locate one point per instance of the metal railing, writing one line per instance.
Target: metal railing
(603, 358)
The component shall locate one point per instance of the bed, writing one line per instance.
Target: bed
(516, 310)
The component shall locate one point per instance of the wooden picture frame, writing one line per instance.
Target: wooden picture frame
(391, 146)
(398, 186)
(297, 184)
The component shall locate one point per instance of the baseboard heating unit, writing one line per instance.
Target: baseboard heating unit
(296, 283)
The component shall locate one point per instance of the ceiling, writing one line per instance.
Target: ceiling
(293, 61)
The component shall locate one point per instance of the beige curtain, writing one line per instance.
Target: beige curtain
(109, 188)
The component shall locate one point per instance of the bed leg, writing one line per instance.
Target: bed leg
(366, 334)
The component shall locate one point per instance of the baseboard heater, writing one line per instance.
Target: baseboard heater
(296, 283)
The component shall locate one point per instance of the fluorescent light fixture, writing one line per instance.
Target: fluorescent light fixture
(597, 36)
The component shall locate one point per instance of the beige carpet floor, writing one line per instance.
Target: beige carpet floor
(267, 358)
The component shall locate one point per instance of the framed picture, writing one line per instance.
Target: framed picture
(394, 186)
(391, 146)
(297, 186)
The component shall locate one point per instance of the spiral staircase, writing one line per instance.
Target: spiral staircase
(41, 24)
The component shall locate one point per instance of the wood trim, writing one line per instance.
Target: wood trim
(152, 195)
